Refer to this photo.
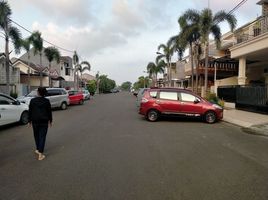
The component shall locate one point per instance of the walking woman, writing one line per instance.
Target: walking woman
(40, 117)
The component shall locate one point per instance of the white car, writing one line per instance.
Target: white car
(58, 97)
(86, 94)
(12, 111)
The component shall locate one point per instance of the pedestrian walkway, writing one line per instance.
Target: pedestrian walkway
(250, 122)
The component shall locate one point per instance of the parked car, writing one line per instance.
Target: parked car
(86, 94)
(76, 97)
(173, 101)
(58, 97)
(11, 110)
(114, 90)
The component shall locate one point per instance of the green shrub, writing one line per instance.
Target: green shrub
(13, 94)
(212, 97)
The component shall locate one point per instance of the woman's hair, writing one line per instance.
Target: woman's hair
(42, 91)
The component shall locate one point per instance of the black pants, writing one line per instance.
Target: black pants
(40, 133)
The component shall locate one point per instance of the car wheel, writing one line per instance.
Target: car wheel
(81, 102)
(152, 115)
(24, 118)
(210, 117)
(63, 106)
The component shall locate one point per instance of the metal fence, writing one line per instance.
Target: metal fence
(227, 93)
(253, 98)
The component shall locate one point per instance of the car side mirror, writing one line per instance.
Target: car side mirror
(196, 101)
(16, 103)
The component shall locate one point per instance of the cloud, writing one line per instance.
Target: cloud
(87, 40)
(64, 11)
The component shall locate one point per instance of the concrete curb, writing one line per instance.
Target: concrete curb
(261, 129)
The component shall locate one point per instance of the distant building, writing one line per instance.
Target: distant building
(14, 74)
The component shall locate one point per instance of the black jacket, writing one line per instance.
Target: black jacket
(40, 110)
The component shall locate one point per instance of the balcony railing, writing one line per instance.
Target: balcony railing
(259, 27)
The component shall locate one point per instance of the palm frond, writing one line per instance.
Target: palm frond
(216, 31)
(37, 42)
(15, 35)
(26, 44)
(223, 16)
(159, 57)
(52, 53)
(162, 46)
(5, 13)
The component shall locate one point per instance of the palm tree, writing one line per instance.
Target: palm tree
(190, 33)
(83, 66)
(75, 62)
(167, 54)
(178, 44)
(26, 45)
(154, 69)
(209, 24)
(9, 32)
(51, 53)
(37, 42)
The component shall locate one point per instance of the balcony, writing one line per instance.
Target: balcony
(258, 27)
(251, 39)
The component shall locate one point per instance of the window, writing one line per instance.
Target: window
(168, 95)
(153, 94)
(67, 71)
(5, 101)
(53, 92)
(32, 94)
(187, 97)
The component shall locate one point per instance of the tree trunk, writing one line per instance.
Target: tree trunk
(41, 71)
(7, 64)
(49, 77)
(206, 68)
(192, 66)
(196, 68)
(197, 75)
(156, 83)
(29, 85)
(170, 74)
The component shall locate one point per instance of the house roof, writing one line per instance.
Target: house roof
(53, 72)
(32, 65)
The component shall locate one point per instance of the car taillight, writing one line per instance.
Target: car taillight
(144, 100)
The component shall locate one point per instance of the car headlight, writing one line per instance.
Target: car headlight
(217, 106)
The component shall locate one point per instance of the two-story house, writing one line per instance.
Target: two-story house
(62, 73)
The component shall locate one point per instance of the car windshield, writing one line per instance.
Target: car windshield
(32, 94)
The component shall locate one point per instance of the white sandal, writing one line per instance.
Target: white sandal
(41, 156)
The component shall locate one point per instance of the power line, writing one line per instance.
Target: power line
(237, 6)
(70, 51)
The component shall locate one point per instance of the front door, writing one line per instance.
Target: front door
(8, 111)
(189, 105)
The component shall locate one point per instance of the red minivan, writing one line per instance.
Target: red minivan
(76, 97)
(174, 101)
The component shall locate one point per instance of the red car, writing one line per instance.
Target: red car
(76, 97)
(174, 101)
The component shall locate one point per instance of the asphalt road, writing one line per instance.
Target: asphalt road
(104, 150)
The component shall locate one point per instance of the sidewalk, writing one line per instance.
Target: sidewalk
(250, 122)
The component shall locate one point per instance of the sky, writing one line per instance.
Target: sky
(117, 37)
